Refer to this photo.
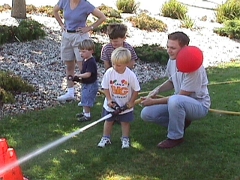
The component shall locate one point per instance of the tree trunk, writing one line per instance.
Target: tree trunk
(19, 9)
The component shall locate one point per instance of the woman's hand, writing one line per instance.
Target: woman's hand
(84, 30)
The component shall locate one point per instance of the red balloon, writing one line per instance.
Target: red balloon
(189, 59)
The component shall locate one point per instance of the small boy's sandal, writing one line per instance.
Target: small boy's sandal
(84, 119)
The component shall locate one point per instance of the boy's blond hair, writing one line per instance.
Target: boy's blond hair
(87, 44)
(121, 55)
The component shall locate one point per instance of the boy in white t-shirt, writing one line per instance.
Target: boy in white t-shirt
(121, 86)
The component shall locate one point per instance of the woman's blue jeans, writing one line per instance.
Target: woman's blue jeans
(173, 114)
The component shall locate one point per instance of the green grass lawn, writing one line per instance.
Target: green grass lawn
(210, 151)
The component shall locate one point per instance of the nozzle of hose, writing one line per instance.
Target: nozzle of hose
(74, 78)
(118, 109)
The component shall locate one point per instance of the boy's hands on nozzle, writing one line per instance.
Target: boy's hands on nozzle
(77, 79)
(118, 109)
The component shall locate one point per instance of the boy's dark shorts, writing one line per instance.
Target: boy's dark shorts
(128, 117)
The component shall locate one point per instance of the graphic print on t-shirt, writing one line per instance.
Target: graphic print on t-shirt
(119, 89)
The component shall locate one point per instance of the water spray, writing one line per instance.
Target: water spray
(51, 145)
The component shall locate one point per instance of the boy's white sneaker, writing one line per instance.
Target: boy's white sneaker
(66, 97)
(103, 142)
(125, 143)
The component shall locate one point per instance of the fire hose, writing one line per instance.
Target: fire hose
(138, 101)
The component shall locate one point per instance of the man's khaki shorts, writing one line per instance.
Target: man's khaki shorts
(69, 45)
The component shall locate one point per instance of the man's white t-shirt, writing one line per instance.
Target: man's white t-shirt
(195, 82)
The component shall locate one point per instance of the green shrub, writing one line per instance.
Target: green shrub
(98, 49)
(6, 34)
(145, 22)
(5, 97)
(109, 11)
(103, 27)
(228, 11)
(30, 9)
(231, 29)
(26, 31)
(174, 9)
(147, 53)
(29, 30)
(5, 7)
(1, 9)
(127, 6)
(10, 85)
(152, 53)
(187, 22)
(48, 10)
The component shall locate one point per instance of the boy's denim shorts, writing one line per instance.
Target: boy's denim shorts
(89, 93)
(128, 117)
(69, 46)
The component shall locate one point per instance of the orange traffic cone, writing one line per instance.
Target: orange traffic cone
(3, 153)
(14, 173)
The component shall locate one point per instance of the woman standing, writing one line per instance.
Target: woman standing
(75, 30)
